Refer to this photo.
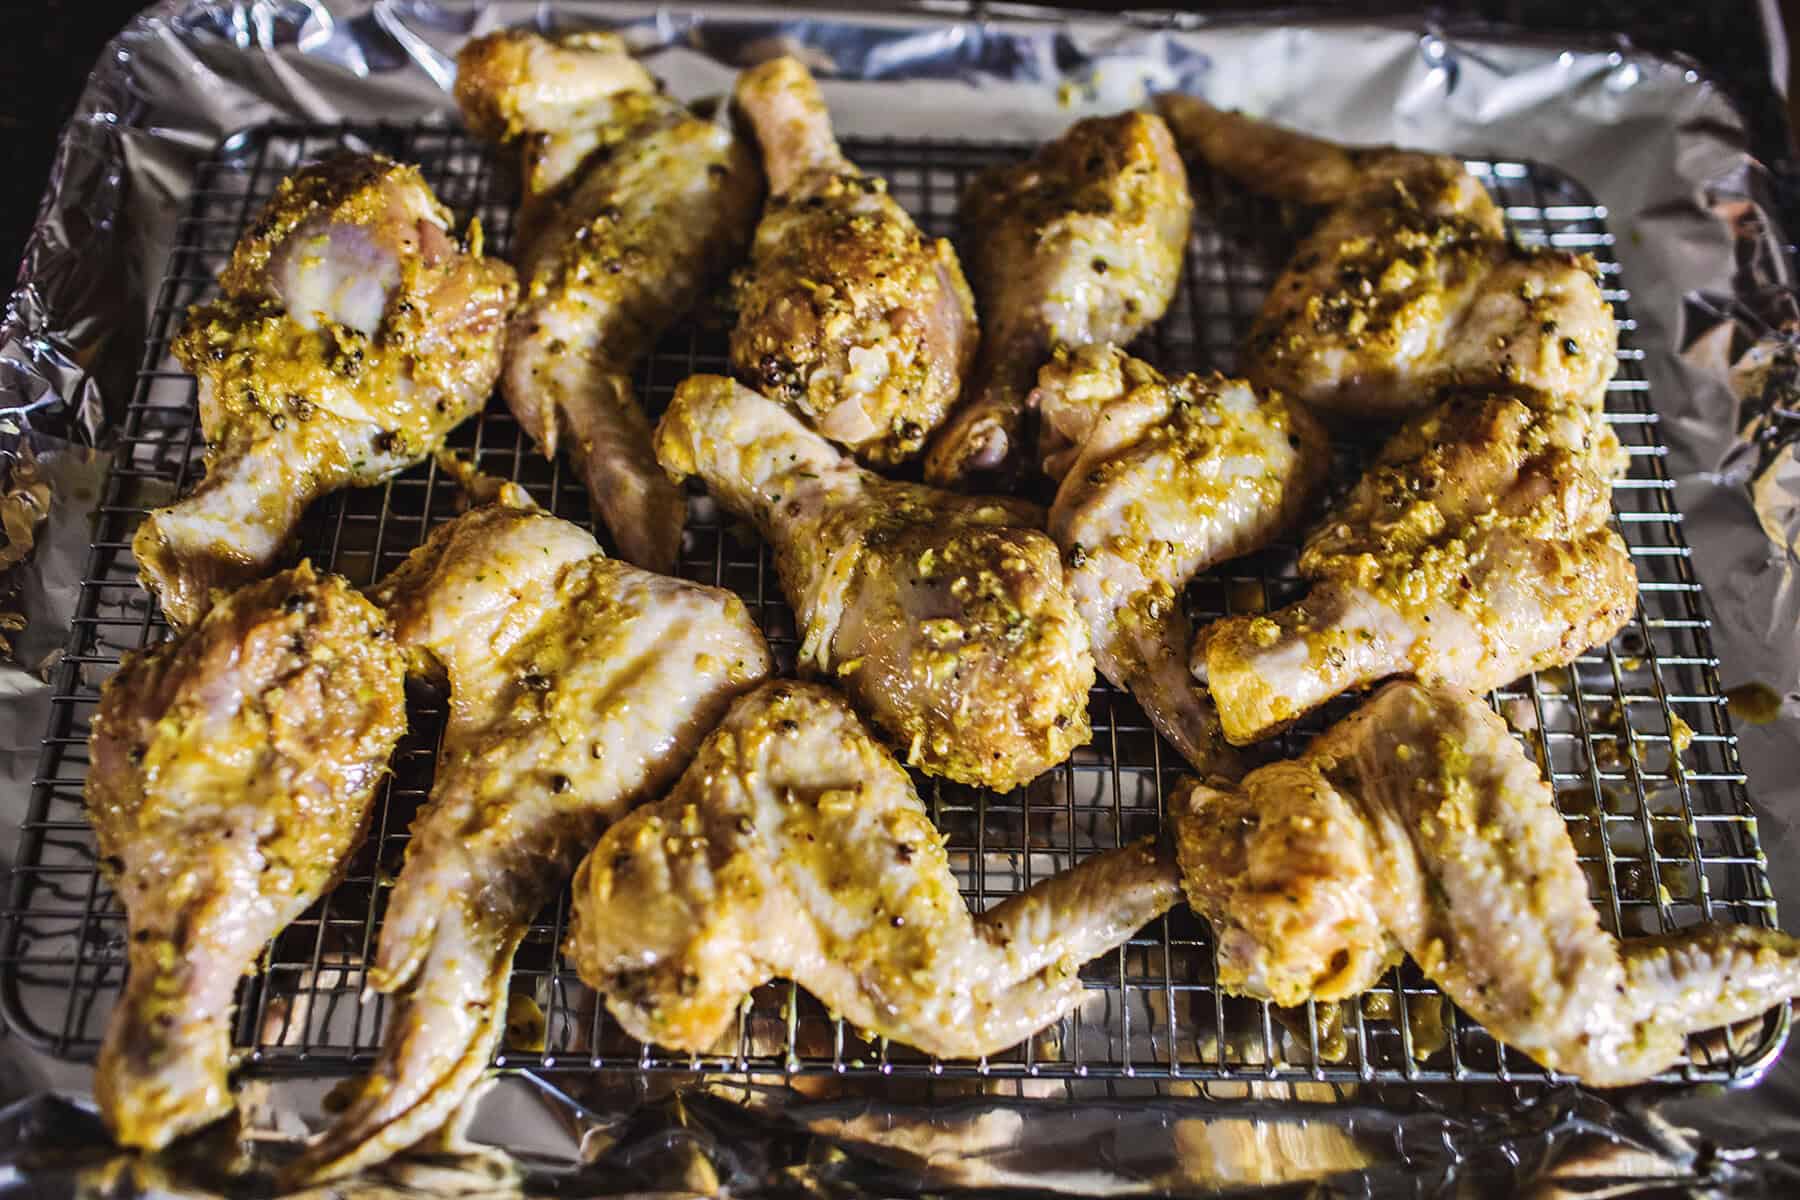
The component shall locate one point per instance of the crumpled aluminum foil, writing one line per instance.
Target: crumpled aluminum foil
(1700, 247)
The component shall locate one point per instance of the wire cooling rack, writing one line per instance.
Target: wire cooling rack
(1634, 736)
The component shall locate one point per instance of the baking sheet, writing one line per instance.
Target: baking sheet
(1660, 148)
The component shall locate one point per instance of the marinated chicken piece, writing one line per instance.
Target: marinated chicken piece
(847, 312)
(616, 245)
(233, 772)
(1160, 480)
(1418, 825)
(945, 617)
(350, 336)
(552, 97)
(1082, 244)
(1408, 284)
(796, 846)
(578, 686)
(1475, 549)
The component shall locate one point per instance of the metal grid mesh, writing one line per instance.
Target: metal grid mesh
(1634, 736)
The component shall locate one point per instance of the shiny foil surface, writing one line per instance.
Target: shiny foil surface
(1660, 148)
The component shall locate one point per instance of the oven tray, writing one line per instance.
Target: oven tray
(1635, 736)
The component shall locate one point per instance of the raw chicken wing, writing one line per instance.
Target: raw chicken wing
(633, 208)
(796, 846)
(578, 686)
(1418, 825)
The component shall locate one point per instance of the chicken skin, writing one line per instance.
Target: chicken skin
(847, 312)
(1474, 550)
(233, 772)
(1408, 284)
(945, 617)
(1418, 825)
(616, 245)
(1081, 244)
(350, 336)
(1160, 480)
(796, 846)
(578, 687)
(552, 98)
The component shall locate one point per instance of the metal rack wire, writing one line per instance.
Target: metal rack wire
(1634, 736)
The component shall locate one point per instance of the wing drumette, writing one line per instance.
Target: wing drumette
(945, 617)
(847, 312)
(233, 772)
(351, 335)
(1081, 244)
